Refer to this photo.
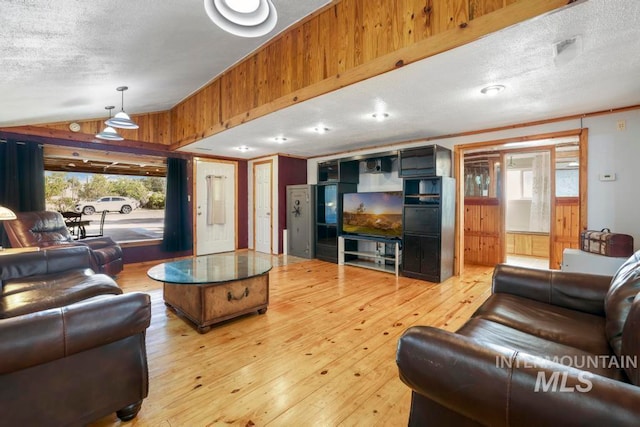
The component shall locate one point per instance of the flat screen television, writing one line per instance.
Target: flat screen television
(377, 214)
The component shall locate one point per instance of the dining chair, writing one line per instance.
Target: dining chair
(101, 230)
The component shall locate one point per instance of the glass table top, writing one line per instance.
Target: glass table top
(212, 268)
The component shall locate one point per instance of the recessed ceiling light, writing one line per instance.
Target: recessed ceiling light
(380, 116)
(492, 90)
(321, 129)
(243, 6)
(244, 18)
(243, 148)
(280, 139)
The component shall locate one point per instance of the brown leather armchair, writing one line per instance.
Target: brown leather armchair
(73, 346)
(47, 228)
(546, 348)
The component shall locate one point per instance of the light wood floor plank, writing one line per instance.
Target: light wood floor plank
(322, 355)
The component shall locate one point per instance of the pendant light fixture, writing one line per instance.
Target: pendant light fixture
(121, 120)
(244, 18)
(109, 133)
(6, 214)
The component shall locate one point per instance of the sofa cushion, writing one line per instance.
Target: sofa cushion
(41, 292)
(561, 325)
(38, 228)
(484, 330)
(625, 285)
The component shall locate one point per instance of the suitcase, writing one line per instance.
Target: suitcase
(606, 243)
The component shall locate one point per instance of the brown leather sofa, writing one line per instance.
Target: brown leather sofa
(546, 348)
(47, 228)
(72, 345)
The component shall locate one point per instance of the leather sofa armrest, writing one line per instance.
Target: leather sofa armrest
(41, 337)
(575, 291)
(494, 385)
(99, 242)
(630, 346)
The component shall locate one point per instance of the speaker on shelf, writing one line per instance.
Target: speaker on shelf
(379, 165)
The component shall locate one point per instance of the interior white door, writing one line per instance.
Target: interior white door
(262, 206)
(215, 207)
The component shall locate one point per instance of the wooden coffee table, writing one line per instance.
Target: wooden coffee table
(212, 288)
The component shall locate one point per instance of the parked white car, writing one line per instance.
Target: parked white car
(108, 203)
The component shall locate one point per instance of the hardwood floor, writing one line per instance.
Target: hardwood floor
(322, 355)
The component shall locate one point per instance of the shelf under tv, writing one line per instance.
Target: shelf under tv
(370, 259)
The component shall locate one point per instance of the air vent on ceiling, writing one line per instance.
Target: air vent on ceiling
(566, 50)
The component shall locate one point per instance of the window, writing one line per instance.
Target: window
(131, 188)
(567, 183)
(482, 175)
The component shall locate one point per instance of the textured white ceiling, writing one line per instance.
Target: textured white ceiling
(63, 59)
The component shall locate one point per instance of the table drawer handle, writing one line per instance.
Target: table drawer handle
(230, 296)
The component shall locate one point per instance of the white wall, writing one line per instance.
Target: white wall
(386, 181)
(614, 204)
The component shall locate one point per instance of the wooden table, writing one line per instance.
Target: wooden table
(213, 288)
(76, 225)
(79, 228)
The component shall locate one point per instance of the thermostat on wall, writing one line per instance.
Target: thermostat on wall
(607, 176)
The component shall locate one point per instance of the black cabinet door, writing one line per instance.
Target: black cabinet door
(430, 262)
(424, 220)
(417, 162)
(421, 257)
(411, 254)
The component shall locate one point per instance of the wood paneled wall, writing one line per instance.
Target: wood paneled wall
(154, 127)
(349, 41)
(529, 244)
(482, 231)
(483, 240)
(566, 228)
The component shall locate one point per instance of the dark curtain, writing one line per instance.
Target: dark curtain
(177, 221)
(21, 178)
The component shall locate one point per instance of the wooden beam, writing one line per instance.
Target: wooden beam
(64, 137)
(363, 56)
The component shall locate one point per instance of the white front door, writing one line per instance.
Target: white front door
(262, 206)
(215, 206)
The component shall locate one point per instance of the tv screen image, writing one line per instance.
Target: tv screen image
(373, 214)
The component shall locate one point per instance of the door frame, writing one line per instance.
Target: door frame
(194, 192)
(255, 164)
(458, 155)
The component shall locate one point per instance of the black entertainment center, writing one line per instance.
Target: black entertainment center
(419, 219)
(334, 179)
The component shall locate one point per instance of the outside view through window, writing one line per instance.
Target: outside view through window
(134, 204)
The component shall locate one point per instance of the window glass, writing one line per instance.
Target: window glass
(567, 183)
(481, 175)
(527, 184)
(138, 214)
(514, 184)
